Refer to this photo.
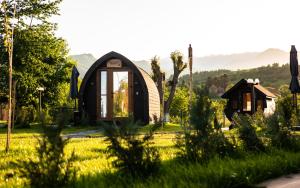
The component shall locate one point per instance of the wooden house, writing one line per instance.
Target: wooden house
(246, 97)
(114, 88)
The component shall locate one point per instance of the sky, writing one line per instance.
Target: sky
(141, 29)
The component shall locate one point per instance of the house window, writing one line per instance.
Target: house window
(247, 102)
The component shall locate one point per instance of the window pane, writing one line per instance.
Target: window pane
(103, 94)
(120, 98)
(103, 82)
(247, 102)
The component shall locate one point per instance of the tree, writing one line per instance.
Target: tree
(204, 139)
(158, 77)
(178, 67)
(132, 153)
(40, 58)
(180, 104)
(51, 168)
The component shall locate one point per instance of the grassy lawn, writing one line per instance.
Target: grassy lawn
(94, 170)
(91, 158)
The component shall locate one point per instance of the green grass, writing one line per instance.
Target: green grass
(36, 130)
(94, 170)
(168, 127)
(243, 172)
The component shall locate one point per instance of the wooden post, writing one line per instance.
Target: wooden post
(191, 76)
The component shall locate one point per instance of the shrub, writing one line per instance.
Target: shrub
(25, 116)
(52, 168)
(247, 133)
(204, 139)
(131, 152)
(279, 133)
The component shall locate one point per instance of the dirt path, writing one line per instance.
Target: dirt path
(288, 181)
(82, 134)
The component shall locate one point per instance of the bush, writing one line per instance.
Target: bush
(131, 152)
(247, 133)
(25, 116)
(204, 140)
(52, 168)
(280, 135)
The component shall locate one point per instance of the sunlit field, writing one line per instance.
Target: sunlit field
(91, 157)
(95, 170)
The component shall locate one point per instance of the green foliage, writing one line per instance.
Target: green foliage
(204, 140)
(39, 58)
(132, 153)
(25, 116)
(180, 105)
(282, 121)
(217, 85)
(178, 66)
(52, 168)
(247, 133)
(280, 136)
(285, 107)
(273, 76)
(226, 173)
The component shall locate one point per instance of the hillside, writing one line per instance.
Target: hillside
(271, 76)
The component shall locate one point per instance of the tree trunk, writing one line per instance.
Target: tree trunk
(172, 92)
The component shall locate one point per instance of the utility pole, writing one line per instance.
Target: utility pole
(191, 76)
(9, 39)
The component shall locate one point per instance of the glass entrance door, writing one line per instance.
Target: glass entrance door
(120, 94)
(114, 94)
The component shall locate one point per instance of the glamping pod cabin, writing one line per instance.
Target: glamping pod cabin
(246, 97)
(115, 88)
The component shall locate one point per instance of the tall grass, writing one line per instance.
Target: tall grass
(228, 172)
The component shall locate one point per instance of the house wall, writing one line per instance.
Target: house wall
(271, 107)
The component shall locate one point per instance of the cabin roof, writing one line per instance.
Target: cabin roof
(264, 91)
(103, 59)
(259, 87)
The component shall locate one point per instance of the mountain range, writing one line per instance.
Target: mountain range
(236, 61)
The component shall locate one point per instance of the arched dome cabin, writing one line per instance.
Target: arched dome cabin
(114, 88)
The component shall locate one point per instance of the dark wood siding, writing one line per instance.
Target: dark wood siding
(90, 98)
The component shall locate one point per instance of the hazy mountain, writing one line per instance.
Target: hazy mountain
(214, 62)
(234, 61)
(84, 62)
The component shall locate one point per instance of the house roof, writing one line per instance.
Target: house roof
(264, 91)
(256, 86)
(242, 81)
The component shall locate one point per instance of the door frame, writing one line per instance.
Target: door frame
(109, 89)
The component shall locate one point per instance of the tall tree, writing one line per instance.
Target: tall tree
(40, 58)
(178, 67)
(158, 77)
